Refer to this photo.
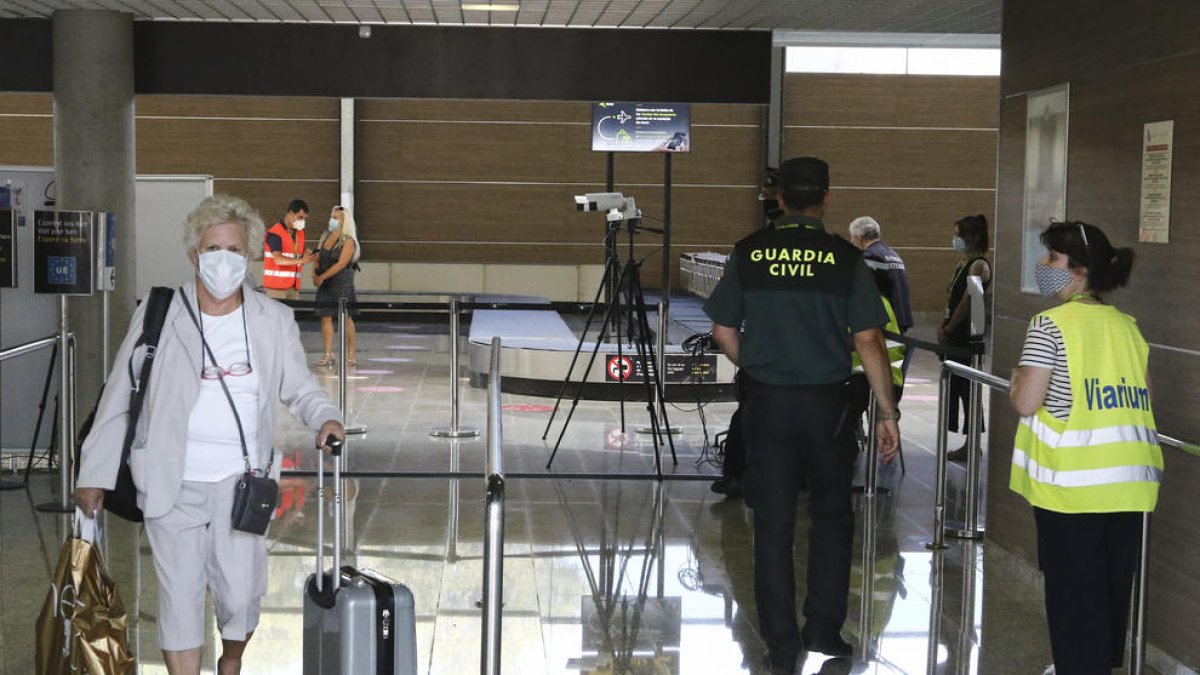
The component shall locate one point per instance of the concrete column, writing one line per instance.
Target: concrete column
(346, 184)
(773, 146)
(94, 164)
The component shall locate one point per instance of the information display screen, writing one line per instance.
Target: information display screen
(641, 127)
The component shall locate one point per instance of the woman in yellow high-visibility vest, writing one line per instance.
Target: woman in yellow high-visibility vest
(1086, 453)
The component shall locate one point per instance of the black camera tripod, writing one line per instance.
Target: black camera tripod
(628, 307)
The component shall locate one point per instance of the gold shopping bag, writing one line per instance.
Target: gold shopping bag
(82, 627)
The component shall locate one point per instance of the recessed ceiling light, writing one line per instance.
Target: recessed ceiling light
(493, 6)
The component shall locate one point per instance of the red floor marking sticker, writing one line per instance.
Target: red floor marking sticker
(527, 407)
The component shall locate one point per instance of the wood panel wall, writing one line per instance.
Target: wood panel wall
(914, 152)
(1113, 93)
(494, 181)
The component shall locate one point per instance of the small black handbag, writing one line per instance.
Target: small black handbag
(254, 501)
(255, 495)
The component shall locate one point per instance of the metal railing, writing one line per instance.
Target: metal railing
(493, 533)
(66, 420)
(979, 379)
(15, 352)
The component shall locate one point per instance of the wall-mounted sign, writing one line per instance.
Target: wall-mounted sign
(8, 248)
(64, 252)
(1154, 224)
(641, 127)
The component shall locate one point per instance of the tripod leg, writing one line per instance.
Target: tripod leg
(608, 316)
(652, 373)
(635, 295)
(578, 348)
(37, 427)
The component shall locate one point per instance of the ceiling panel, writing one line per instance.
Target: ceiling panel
(894, 16)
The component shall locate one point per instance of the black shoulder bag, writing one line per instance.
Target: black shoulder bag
(122, 499)
(254, 496)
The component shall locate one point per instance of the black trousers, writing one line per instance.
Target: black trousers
(793, 432)
(1088, 561)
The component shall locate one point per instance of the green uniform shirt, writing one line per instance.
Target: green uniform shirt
(796, 290)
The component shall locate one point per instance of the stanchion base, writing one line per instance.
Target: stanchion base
(936, 547)
(963, 533)
(55, 507)
(650, 430)
(356, 431)
(447, 432)
(879, 490)
(9, 485)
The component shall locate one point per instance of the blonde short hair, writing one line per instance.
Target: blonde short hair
(219, 209)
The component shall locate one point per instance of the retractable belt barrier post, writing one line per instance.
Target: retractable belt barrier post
(453, 431)
(343, 372)
(493, 537)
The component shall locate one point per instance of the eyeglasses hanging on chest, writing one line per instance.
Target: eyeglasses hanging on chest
(235, 369)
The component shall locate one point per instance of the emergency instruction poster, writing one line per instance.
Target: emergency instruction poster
(64, 248)
(641, 127)
(8, 248)
(1154, 223)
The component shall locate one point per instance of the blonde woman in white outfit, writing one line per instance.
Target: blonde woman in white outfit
(187, 453)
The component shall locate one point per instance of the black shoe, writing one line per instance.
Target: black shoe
(830, 644)
(730, 487)
(959, 455)
(782, 667)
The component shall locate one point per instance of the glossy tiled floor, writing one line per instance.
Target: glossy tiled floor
(601, 576)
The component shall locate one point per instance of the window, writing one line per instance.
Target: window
(893, 60)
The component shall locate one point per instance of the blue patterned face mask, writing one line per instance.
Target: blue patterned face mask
(1051, 280)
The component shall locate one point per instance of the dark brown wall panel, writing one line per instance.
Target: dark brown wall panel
(909, 217)
(438, 212)
(477, 152)
(233, 148)
(271, 198)
(291, 107)
(900, 157)
(27, 141)
(1113, 93)
(15, 103)
(891, 101)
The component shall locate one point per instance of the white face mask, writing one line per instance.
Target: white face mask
(222, 272)
(334, 224)
(958, 243)
(298, 224)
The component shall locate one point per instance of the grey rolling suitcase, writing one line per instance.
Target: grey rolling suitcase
(357, 622)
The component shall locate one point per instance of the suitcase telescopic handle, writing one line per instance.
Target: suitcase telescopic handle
(335, 449)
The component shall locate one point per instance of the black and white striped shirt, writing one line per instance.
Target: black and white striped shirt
(1044, 348)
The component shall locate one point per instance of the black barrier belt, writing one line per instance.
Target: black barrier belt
(952, 351)
(509, 475)
(442, 307)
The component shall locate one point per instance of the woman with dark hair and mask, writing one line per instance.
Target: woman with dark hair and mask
(971, 241)
(1086, 452)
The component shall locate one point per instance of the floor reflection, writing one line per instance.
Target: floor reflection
(601, 576)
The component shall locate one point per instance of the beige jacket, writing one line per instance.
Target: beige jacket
(156, 459)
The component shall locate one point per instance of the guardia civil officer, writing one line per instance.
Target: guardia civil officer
(733, 460)
(803, 295)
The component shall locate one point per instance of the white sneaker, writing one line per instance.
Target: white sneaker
(1049, 670)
